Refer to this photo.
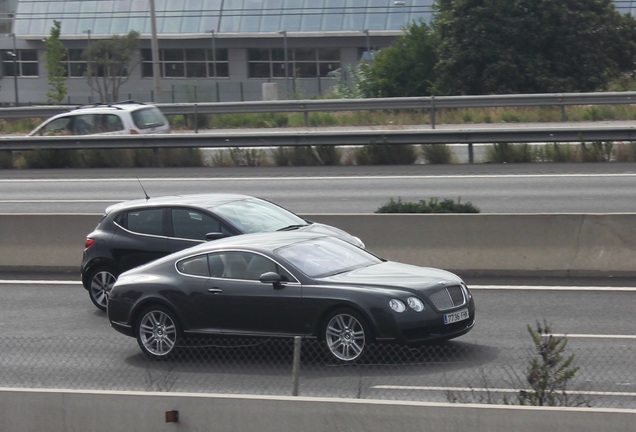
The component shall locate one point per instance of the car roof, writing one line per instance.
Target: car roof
(265, 241)
(117, 106)
(204, 201)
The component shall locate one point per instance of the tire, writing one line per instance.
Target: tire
(346, 335)
(158, 332)
(100, 283)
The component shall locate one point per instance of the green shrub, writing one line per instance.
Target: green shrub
(510, 153)
(386, 154)
(557, 152)
(437, 153)
(596, 151)
(432, 206)
(6, 159)
(246, 156)
(51, 158)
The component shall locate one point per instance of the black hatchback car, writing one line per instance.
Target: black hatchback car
(139, 231)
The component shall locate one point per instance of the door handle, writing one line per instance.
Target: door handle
(215, 290)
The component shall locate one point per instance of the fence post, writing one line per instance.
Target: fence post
(296, 367)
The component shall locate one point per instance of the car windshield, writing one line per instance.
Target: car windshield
(326, 257)
(256, 215)
(147, 118)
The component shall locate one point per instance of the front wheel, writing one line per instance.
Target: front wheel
(346, 335)
(157, 332)
(101, 282)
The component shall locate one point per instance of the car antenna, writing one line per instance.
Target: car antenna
(143, 189)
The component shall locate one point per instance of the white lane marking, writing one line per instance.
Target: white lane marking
(38, 282)
(593, 336)
(551, 288)
(314, 178)
(493, 390)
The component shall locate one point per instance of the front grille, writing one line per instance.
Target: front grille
(448, 298)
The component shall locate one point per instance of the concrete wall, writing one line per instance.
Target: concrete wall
(145, 412)
(577, 245)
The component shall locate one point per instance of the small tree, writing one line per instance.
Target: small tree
(54, 57)
(110, 63)
(549, 371)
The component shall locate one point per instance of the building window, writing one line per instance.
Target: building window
(26, 63)
(187, 63)
(302, 62)
(75, 65)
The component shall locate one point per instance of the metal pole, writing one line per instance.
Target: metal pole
(15, 70)
(216, 81)
(366, 32)
(90, 70)
(284, 33)
(154, 45)
(296, 366)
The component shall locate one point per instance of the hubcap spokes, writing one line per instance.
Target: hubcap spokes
(345, 337)
(158, 333)
(100, 287)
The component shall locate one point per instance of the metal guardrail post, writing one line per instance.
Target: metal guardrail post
(432, 111)
(296, 366)
(471, 153)
(196, 118)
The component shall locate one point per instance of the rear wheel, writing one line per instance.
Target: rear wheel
(158, 332)
(346, 335)
(101, 282)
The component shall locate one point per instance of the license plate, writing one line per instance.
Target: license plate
(454, 317)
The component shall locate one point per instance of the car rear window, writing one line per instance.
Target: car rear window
(149, 117)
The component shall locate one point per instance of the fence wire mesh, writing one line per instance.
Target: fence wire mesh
(452, 372)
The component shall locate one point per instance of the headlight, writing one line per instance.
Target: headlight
(415, 304)
(397, 305)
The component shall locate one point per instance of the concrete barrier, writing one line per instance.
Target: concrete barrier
(65, 410)
(481, 244)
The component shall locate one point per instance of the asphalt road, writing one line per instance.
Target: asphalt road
(501, 188)
(51, 336)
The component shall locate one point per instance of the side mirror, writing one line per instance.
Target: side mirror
(271, 278)
(215, 236)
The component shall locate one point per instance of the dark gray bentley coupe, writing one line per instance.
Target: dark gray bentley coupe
(288, 284)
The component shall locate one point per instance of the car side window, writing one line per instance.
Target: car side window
(192, 224)
(244, 265)
(196, 266)
(59, 126)
(110, 123)
(145, 221)
(84, 124)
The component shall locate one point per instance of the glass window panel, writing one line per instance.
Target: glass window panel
(196, 70)
(278, 70)
(353, 15)
(222, 70)
(172, 54)
(305, 54)
(87, 13)
(30, 69)
(251, 16)
(221, 54)
(174, 70)
(272, 12)
(306, 70)
(195, 54)
(146, 54)
(279, 54)
(258, 70)
(377, 15)
(28, 55)
(146, 70)
(325, 68)
(329, 54)
(77, 69)
(256, 54)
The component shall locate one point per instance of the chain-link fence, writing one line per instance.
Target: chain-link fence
(456, 371)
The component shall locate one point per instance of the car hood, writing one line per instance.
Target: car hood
(333, 231)
(394, 275)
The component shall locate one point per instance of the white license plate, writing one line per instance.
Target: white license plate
(454, 317)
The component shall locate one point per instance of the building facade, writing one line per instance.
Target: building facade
(207, 50)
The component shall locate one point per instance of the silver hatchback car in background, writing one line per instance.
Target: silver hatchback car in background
(120, 118)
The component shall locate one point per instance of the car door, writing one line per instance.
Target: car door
(188, 227)
(139, 237)
(239, 303)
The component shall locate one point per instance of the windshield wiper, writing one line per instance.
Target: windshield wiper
(293, 227)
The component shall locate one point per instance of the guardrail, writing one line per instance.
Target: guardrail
(429, 103)
(334, 137)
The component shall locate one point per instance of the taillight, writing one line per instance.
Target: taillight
(133, 132)
(89, 241)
